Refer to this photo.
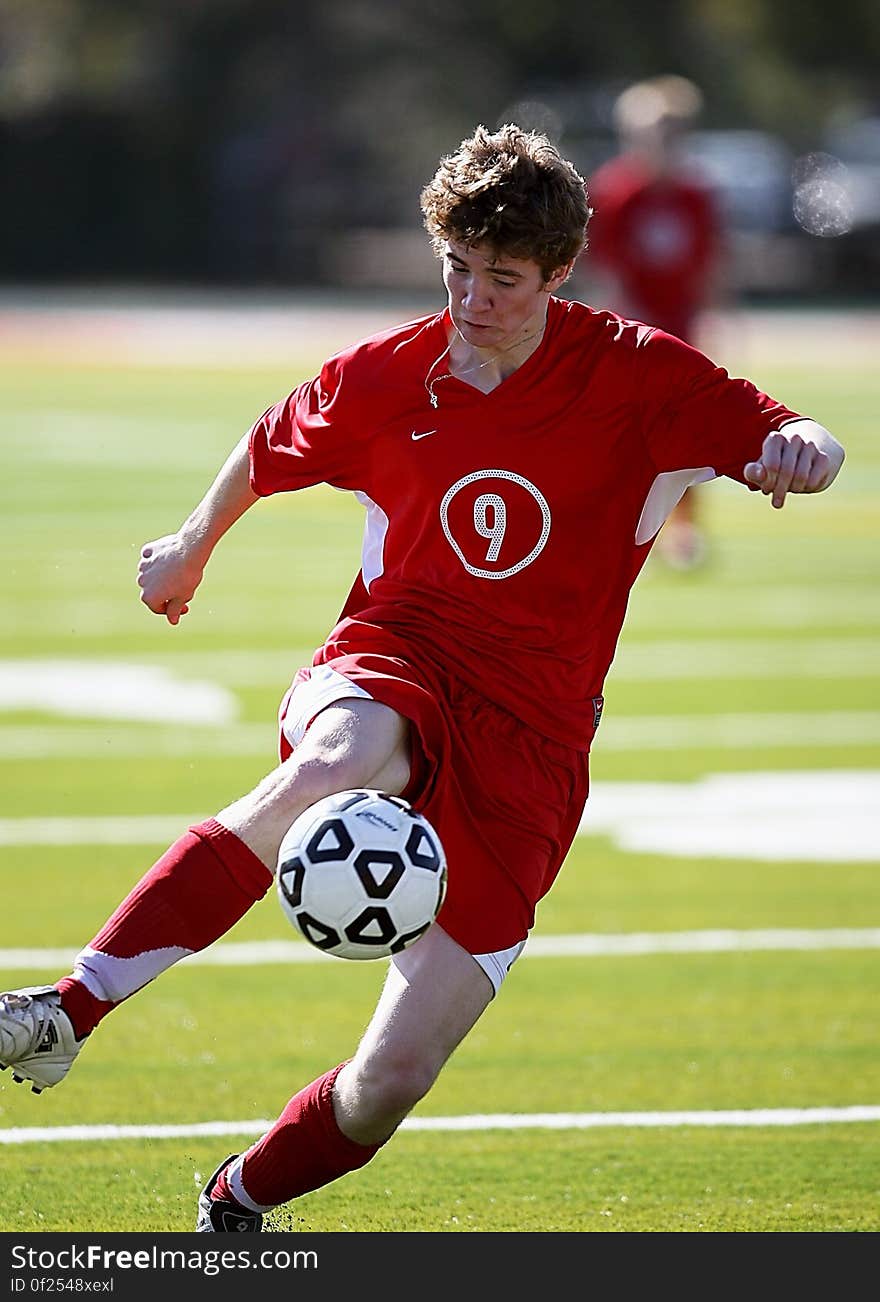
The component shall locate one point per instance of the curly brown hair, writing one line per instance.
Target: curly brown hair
(513, 190)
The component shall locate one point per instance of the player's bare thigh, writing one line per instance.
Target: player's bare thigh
(355, 742)
(434, 993)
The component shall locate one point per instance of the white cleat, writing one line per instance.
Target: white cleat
(36, 1037)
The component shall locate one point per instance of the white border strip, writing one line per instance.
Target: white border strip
(780, 730)
(259, 953)
(493, 1121)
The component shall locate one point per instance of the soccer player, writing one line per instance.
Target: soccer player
(656, 242)
(516, 454)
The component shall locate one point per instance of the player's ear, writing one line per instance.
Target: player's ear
(559, 276)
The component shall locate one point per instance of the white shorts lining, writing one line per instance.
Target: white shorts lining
(324, 686)
(497, 965)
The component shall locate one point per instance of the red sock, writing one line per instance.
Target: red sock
(303, 1150)
(199, 888)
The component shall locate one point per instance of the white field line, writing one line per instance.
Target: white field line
(701, 942)
(739, 731)
(748, 815)
(259, 953)
(655, 732)
(490, 1121)
(144, 829)
(789, 609)
(839, 657)
(636, 660)
(115, 741)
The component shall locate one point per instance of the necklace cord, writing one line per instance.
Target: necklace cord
(470, 370)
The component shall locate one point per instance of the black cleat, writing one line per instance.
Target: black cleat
(221, 1216)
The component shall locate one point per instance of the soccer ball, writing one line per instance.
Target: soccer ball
(361, 874)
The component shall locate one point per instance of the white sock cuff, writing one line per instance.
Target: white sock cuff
(114, 979)
(233, 1179)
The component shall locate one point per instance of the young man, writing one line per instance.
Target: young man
(516, 455)
(656, 241)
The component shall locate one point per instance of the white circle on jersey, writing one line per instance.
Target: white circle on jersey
(491, 516)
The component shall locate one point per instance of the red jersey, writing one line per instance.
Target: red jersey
(659, 238)
(504, 530)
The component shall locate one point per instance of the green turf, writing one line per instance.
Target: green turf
(783, 621)
(817, 1178)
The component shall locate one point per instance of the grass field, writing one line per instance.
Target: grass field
(658, 1070)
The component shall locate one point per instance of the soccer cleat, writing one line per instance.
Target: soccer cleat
(220, 1215)
(37, 1039)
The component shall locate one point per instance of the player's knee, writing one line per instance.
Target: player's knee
(306, 777)
(338, 753)
(310, 777)
(354, 744)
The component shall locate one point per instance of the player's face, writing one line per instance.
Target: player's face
(494, 300)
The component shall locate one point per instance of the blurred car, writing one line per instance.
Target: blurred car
(856, 145)
(750, 172)
(838, 197)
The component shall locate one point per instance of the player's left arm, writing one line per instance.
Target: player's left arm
(802, 457)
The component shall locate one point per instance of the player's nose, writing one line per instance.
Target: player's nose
(475, 296)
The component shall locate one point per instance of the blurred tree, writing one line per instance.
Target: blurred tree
(232, 139)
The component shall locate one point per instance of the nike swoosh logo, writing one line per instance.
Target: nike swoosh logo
(414, 436)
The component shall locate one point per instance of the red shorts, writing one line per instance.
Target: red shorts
(505, 800)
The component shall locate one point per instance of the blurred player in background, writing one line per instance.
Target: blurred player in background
(656, 243)
(517, 455)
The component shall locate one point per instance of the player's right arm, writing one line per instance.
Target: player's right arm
(171, 567)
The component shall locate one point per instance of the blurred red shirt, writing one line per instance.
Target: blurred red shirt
(658, 237)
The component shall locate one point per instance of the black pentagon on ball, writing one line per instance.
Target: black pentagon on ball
(421, 848)
(291, 878)
(375, 918)
(330, 842)
(321, 936)
(379, 872)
